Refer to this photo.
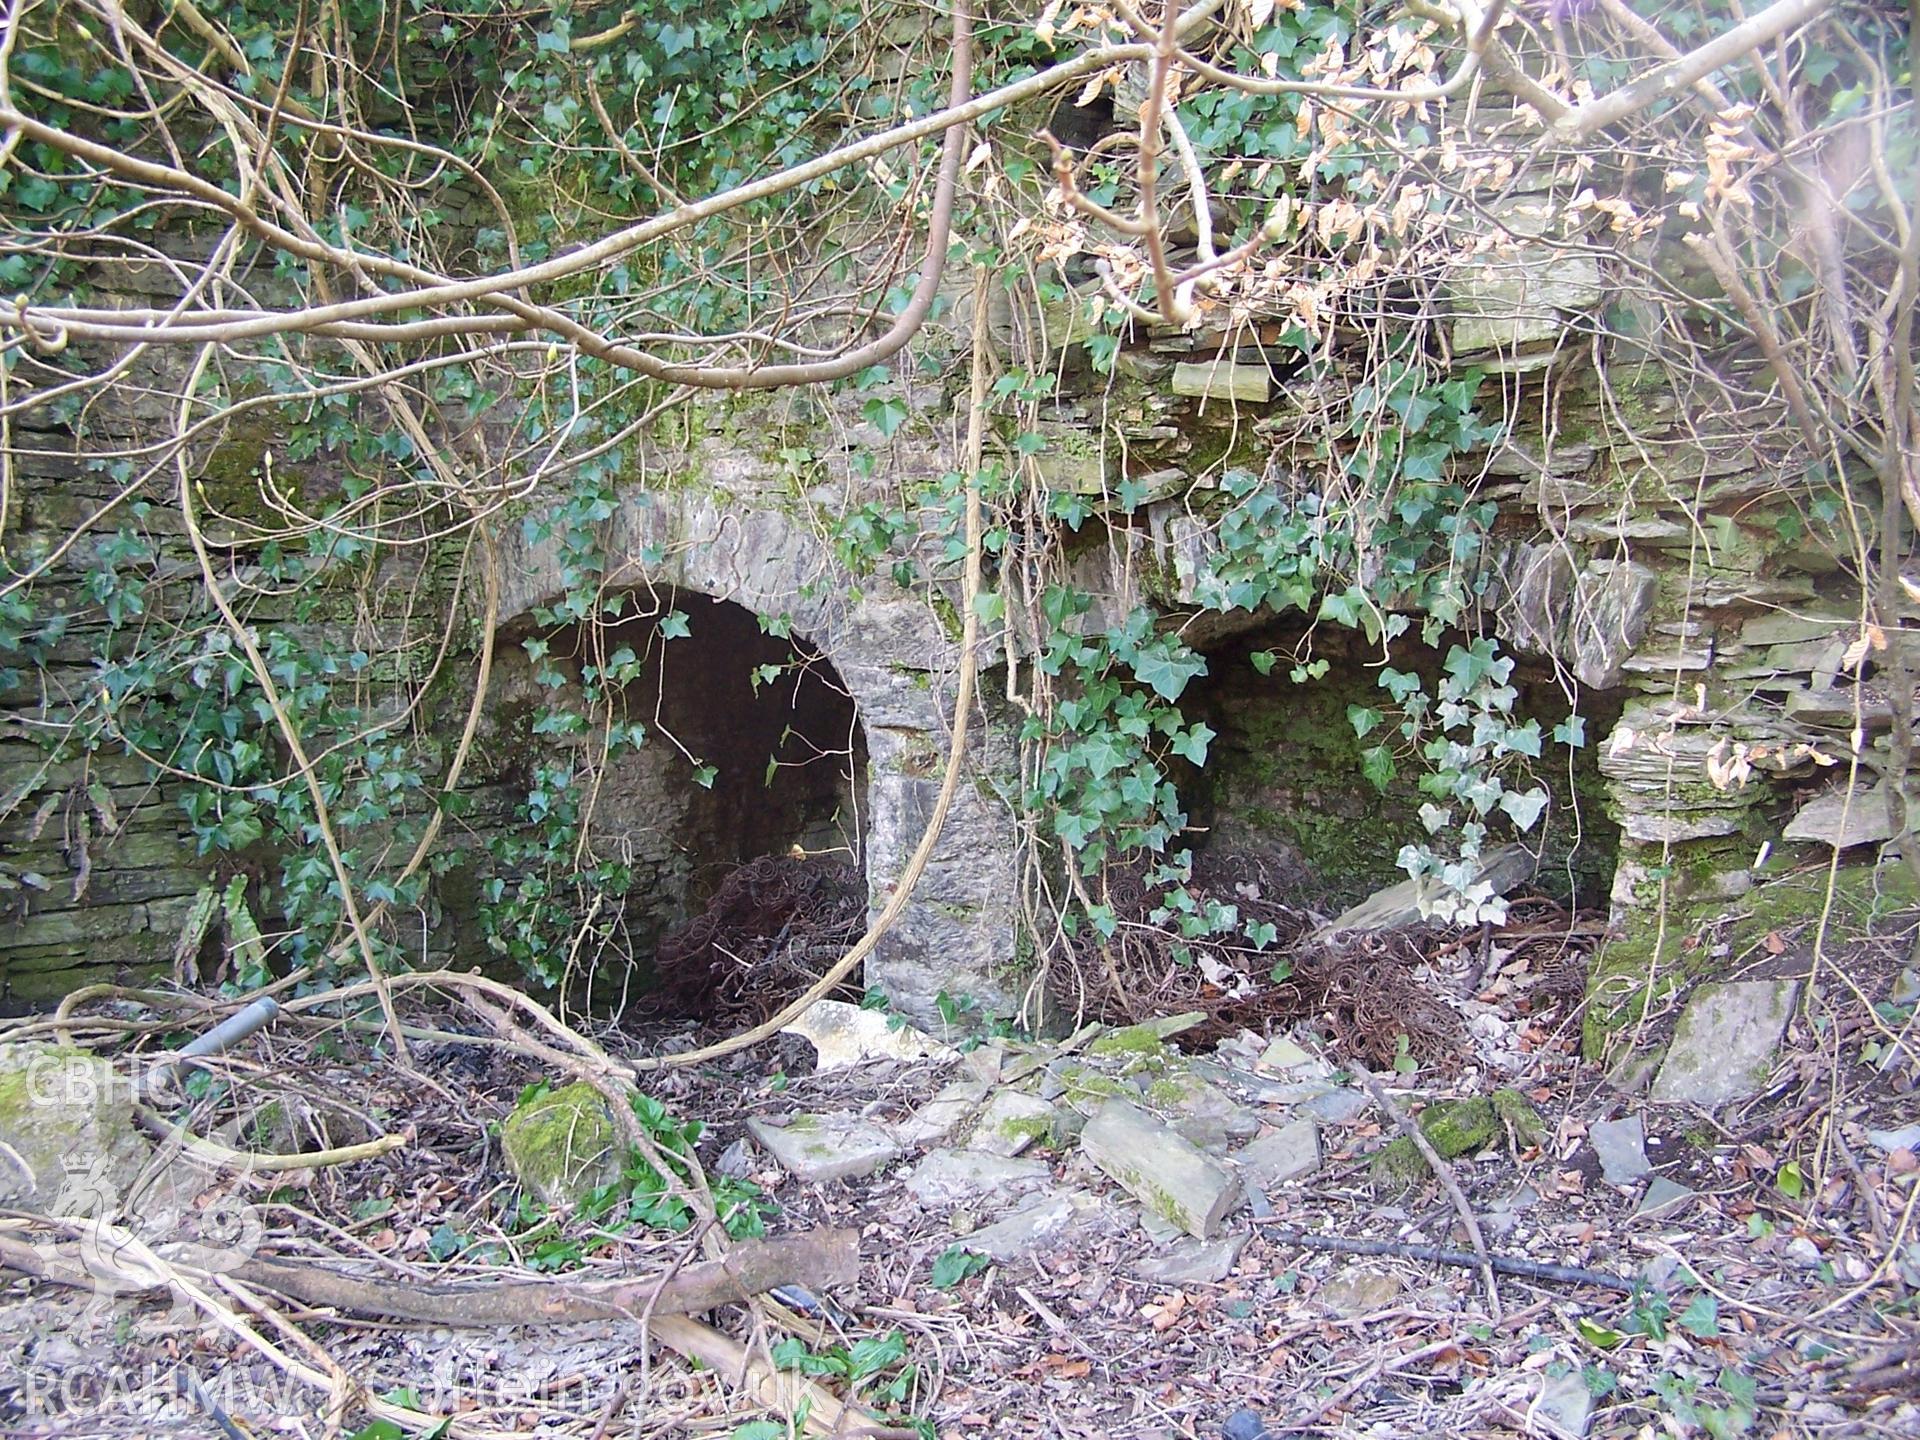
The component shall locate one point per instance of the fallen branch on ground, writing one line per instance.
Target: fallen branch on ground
(251, 1162)
(818, 1260)
(1441, 1255)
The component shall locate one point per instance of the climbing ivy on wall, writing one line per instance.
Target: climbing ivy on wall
(484, 138)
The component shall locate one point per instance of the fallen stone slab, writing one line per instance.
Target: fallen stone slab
(1565, 1404)
(818, 1148)
(1149, 1037)
(1221, 380)
(1286, 1054)
(1188, 1261)
(953, 1177)
(1664, 1199)
(843, 1034)
(1204, 1113)
(1039, 1220)
(1621, 1146)
(1164, 1171)
(1259, 1088)
(1907, 1137)
(1012, 1121)
(934, 1122)
(65, 1118)
(561, 1146)
(1724, 1046)
(1398, 906)
(1337, 1107)
(1288, 1153)
(1455, 1128)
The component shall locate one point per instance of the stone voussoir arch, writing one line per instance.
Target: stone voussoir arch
(750, 541)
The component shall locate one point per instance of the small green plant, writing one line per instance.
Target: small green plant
(1403, 1061)
(955, 1264)
(1725, 1410)
(875, 1369)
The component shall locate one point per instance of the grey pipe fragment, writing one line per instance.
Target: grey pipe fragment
(217, 1041)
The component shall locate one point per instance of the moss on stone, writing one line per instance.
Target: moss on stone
(1453, 1127)
(1038, 1129)
(1170, 1091)
(561, 1145)
(1133, 1040)
(1523, 1123)
(1082, 1084)
(1641, 968)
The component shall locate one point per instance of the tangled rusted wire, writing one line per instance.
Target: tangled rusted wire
(1361, 990)
(771, 928)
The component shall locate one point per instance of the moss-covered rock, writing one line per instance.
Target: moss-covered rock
(68, 1122)
(1455, 1128)
(561, 1145)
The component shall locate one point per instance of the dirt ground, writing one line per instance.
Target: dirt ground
(1777, 1300)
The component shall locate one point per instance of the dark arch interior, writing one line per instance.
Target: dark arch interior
(766, 736)
(752, 747)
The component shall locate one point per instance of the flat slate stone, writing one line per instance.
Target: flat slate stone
(1337, 1107)
(1566, 1404)
(934, 1121)
(1839, 817)
(1043, 1218)
(1222, 380)
(818, 1148)
(1905, 1138)
(951, 1177)
(1622, 1148)
(1012, 1121)
(843, 1034)
(1724, 1046)
(1398, 906)
(1188, 1261)
(1360, 1290)
(1288, 1153)
(1664, 1199)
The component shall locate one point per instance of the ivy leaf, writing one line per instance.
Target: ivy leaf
(1524, 809)
(1702, 1317)
(1571, 732)
(1398, 684)
(1524, 739)
(1192, 745)
(1376, 763)
(1263, 661)
(1168, 670)
(886, 413)
(1364, 719)
(673, 625)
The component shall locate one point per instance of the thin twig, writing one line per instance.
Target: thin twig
(1442, 1170)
